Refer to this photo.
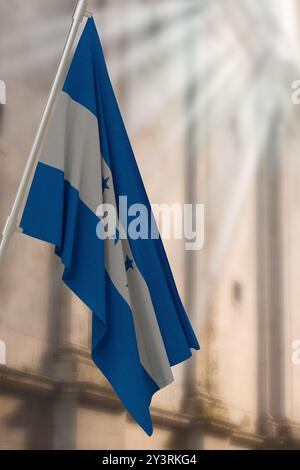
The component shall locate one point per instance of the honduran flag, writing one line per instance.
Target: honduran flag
(140, 328)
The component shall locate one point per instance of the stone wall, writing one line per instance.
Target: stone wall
(51, 395)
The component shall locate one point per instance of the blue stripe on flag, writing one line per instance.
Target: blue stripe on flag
(64, 220)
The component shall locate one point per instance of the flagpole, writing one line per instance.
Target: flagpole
(12, 221)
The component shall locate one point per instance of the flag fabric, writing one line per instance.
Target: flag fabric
(140, 328)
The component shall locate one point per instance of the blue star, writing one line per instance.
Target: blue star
(105, 184)
(117, 236)
(128, 263)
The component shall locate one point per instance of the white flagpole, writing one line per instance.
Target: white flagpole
(12, 221)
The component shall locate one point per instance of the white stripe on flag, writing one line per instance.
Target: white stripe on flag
(72, 146)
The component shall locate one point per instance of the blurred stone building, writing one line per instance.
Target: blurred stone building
(205, 91)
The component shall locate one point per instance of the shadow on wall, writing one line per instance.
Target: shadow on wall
(28, 423)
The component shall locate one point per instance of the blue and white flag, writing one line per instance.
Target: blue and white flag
(140, 328)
